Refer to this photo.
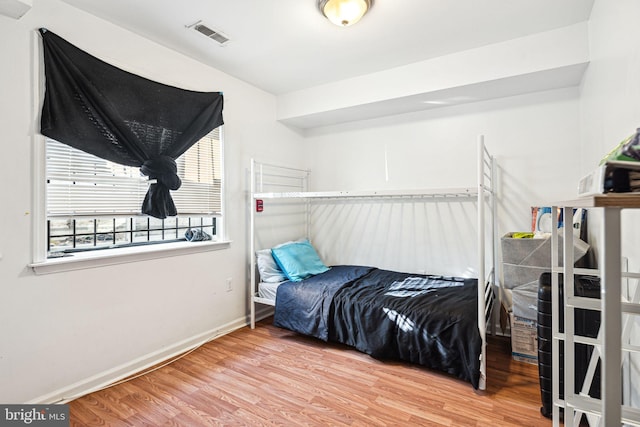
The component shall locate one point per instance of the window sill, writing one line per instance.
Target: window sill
(84, 260)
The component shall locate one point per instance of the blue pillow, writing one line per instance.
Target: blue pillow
(298, 260)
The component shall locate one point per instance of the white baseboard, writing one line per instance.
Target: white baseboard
(110, 376)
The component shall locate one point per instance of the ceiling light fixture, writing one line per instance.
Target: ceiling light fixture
(344, 12)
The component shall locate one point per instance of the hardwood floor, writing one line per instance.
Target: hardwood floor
(271, 376)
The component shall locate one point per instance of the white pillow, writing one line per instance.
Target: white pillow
(267, 267)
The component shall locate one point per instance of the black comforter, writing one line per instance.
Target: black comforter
(428, 320)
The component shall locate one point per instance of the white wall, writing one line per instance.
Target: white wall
(59, 329)
(610, 107)
(532, 137)
(610, 111)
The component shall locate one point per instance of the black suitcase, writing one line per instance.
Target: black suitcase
(587, 323)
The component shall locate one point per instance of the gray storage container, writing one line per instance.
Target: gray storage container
(524, 260)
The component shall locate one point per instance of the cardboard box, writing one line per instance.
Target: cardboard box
(524, 339)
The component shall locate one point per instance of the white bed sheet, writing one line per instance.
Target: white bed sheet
(268, 290)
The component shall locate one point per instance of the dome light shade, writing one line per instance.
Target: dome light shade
(344, 12)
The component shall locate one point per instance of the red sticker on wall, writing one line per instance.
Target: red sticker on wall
(259, 205)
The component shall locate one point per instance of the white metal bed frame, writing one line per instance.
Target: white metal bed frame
(292, 183)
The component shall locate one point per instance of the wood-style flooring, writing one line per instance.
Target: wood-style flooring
(270, 376)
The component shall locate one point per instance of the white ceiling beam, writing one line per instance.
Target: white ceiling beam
(542, 61)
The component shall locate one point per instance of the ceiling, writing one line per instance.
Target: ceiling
(282, 46)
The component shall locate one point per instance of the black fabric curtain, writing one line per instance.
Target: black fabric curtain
(124, 118)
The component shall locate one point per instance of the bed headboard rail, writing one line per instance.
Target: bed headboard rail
(486, 201)
(272, 178)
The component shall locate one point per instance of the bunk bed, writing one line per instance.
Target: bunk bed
(366, 307)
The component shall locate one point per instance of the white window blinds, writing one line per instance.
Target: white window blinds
(80, 184)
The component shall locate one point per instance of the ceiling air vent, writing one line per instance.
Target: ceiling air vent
(212, 34)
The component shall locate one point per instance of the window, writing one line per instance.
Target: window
(93, 204)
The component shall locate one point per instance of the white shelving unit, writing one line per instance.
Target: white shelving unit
(610, 344)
